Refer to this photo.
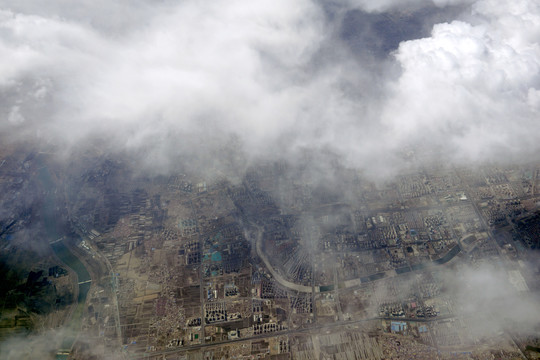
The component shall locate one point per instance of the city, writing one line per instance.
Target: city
(181, 266)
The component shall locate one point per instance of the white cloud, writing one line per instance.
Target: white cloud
(490, 303)
(273, 75)
(469, 88)
(222, 67)
(15, 116)
(181, 77)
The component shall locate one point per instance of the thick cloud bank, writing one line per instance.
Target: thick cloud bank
(273, 75)
(475, 86)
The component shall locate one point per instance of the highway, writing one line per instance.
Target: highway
(309, 329)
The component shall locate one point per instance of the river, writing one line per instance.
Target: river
(53, 233)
